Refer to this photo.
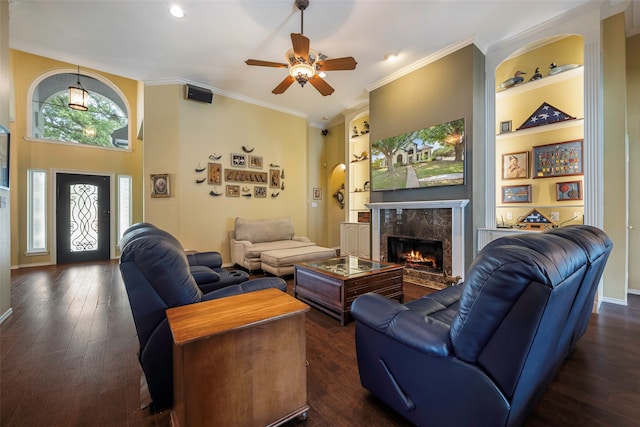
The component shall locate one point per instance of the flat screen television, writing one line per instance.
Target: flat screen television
(428, 157)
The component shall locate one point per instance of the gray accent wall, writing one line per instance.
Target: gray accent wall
(447, 89)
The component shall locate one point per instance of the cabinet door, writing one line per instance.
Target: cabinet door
(349, 239)
(364, 241)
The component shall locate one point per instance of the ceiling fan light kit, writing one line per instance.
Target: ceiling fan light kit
(304, 64)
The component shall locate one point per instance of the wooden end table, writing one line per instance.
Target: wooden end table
(239, 360)
(332, 285)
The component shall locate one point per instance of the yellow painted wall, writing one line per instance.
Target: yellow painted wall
(333, 178)
(26, 154)
(633, 128)
(180, 135)
(615, 166)
(566, 95)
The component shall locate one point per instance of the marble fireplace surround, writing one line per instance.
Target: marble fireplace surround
(432, 220)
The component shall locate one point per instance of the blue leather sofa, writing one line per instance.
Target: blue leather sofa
(156, 275)
(206, 267)
(482, 353)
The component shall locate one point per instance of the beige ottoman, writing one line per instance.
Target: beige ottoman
(280, 262)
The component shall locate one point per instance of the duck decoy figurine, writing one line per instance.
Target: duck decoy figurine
(515, 80)
(536, 75)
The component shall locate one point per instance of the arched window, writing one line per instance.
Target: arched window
(105, 124)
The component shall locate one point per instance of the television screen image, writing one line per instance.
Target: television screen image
(429, 157)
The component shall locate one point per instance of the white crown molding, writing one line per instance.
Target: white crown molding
(421, 63)
(232, 95)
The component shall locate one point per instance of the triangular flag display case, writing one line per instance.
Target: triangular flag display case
(546, 114)
(536, 220)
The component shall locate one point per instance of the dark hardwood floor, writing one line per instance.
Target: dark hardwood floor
(68, 358)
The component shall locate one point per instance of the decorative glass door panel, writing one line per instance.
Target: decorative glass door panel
(83, 212)
(82, 218)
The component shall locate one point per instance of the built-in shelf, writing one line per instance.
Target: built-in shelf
(539, 129)
(540, 83)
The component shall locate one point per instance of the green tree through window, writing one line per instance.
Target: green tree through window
(105, 123)
(93, 127)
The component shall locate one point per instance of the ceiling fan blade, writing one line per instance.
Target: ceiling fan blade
(346, 63)
(323, 87)
(300, 46)
(284, 85)
(265, 63)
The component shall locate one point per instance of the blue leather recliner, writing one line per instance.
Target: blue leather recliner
(482, 353)
(206, 267)
(156, 275)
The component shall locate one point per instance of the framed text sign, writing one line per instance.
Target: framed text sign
(560, 159)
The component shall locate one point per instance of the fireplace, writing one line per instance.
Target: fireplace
(428, 220)
(417, 254)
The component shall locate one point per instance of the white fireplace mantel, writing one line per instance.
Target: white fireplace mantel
(457, 226)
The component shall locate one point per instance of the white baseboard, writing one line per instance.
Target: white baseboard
(633, 291)
(614, 301)
(5, 315)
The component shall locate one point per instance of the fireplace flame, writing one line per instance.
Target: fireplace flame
(416, 257)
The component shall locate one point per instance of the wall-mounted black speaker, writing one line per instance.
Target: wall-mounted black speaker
(196, 93)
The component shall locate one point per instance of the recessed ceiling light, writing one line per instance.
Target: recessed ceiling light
(176, 11)
(391, 57)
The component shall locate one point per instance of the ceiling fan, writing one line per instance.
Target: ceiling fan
(305, 64)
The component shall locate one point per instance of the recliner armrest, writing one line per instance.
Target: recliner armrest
(209, 259)
(407, 326)
(202, 274)
(248, 286)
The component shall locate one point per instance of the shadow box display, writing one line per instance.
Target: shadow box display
(571, 190)
(516, 193)
(560, 159)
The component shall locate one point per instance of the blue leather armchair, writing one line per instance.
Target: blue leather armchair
(482, 353)
(156, 275)
(206, 267)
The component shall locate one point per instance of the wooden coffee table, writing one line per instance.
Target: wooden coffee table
(332, 285)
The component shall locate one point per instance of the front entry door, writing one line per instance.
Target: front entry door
(82, 218)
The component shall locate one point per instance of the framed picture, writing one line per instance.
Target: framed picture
(317, 194)
(515, 165)
(505, 127)
(4, 156)
(560, 159)
(571, 190)
(238, 160)
(260, 192)
(214, 173)
(233, 191)
(255, 162)
(516, 193)
(160, 185)
(274, 178)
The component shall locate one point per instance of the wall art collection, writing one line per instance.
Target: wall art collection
(548, 161)
(244, 178)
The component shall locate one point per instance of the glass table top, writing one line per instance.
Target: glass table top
(348, 265)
